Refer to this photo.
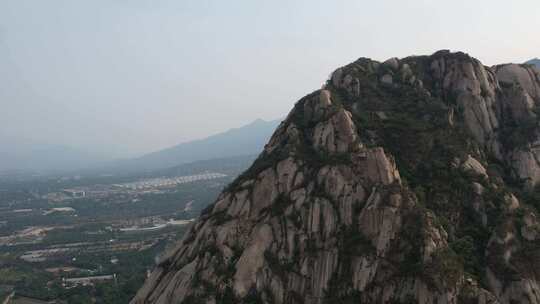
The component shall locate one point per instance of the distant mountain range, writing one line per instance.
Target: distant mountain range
(246, 140)
(535, 62)
(17, 157)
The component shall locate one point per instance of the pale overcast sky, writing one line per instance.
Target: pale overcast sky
(123, 77)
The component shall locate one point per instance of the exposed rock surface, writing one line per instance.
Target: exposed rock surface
(400, 182)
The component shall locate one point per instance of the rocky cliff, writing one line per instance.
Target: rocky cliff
(408, 181)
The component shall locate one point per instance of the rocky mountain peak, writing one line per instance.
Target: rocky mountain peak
(406, 181)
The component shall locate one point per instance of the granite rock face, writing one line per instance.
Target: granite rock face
(521, 90)
(385, 186)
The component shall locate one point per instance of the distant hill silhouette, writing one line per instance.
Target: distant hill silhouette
(535, 62)
(246, 140)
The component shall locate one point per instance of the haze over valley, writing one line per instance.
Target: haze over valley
(33, 158)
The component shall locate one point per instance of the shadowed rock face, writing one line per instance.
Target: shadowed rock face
(400, 182)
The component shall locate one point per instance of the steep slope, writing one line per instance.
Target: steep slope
(246, 140)
(408, 181)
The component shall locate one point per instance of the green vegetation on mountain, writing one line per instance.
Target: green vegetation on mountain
(409, 181)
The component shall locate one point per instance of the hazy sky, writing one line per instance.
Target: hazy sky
(123, 77)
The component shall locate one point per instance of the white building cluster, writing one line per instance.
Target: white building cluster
(170, 181)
